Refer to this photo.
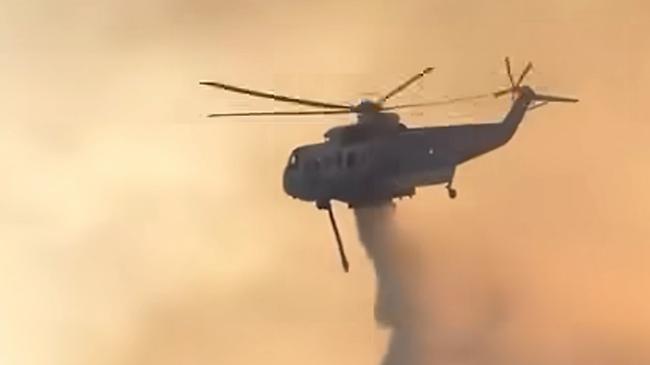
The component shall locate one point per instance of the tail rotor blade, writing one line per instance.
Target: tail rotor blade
(500, 93)
(509, 70)
(529, 67)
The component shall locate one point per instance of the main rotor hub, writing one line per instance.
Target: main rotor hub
(367, 107)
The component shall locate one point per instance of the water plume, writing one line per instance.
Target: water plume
(471, 298)
(395, 305)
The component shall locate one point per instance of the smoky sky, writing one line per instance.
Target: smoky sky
(134, 231)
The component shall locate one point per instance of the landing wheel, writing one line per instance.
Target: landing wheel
(452, 192)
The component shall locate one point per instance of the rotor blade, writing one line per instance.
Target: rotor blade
(274, 96)
(261, 114)
(509, 69)
(404, 85)
(529, 67)
(504, 92)
(344, 259)
(551, 98)
(441, 102)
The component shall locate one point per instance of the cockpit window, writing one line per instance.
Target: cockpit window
(293, 161)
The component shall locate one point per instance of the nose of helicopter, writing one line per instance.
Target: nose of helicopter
(290, 182)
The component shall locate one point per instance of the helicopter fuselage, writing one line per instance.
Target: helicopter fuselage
(392, 163)
(378, 158)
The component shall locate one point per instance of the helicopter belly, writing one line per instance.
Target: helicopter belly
(422, 159)
(424, 177)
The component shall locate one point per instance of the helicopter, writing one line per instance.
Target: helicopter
(378, 158)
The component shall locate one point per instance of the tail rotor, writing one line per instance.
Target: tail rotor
(514, 86)
(516, 89)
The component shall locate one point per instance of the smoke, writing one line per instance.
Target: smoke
(418, 323)
(133, 231)
(470, 298)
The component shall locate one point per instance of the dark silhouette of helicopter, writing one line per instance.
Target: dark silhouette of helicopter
(378, 158)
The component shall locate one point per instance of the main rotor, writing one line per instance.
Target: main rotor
(365, 107)
(370, 107)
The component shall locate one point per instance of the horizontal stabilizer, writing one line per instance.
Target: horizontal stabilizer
(551, 98)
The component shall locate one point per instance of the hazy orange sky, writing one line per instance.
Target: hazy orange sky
(136, 232)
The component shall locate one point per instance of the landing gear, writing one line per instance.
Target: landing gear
(451, 191)
(323, 205)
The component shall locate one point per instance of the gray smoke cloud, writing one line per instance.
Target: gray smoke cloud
(493, 304)
(134, 232)
(426, 328)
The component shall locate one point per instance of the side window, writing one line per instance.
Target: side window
(327, 162)
(351, 160)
